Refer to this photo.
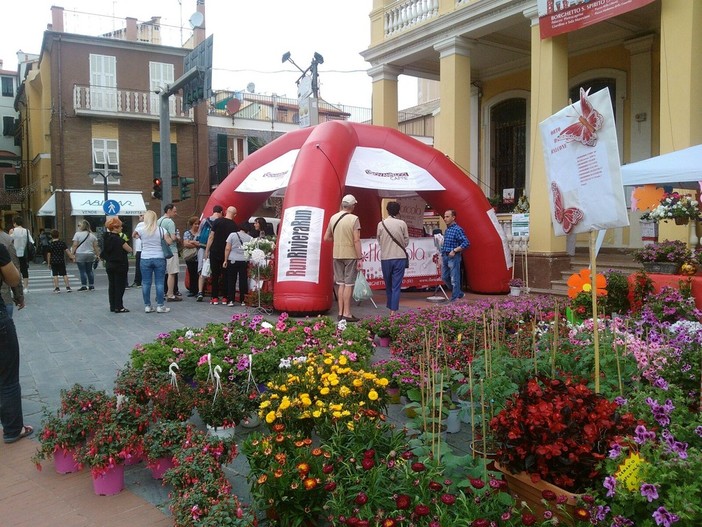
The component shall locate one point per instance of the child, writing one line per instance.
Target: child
(57, 248)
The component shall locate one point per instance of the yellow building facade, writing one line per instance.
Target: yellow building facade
(498, 79)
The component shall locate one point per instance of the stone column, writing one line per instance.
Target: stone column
(453, 124)
(384, 95)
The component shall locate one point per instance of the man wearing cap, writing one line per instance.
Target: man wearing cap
(344, 230)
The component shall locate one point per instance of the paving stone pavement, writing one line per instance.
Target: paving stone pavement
(70, 338)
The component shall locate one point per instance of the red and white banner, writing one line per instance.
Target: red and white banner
(563, 16)
(582, 166)
(424, 259)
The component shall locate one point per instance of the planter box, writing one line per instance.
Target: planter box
(521, 486)
(661, 267)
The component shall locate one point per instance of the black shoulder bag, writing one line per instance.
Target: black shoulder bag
(398, 243)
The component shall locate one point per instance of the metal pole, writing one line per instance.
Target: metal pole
(165, 149)
(104, 179)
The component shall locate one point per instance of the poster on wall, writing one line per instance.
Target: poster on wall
(412, 211)
(562, 16)
(582, 166)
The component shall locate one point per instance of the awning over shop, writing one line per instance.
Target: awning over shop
(48, 208)
(90, 203)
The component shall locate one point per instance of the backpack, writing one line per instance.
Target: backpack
(204, 233)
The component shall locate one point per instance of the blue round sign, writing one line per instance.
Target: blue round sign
(111, 207)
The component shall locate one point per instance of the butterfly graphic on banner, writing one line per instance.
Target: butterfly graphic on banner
(585, 130)
(567, 217)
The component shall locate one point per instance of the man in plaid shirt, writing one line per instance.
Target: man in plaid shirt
(455, 242)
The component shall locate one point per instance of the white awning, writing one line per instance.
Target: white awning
(273, 175)
(380, 169)
(48, 208)
(90, 203)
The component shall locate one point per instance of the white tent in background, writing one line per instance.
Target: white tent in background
(667, 169)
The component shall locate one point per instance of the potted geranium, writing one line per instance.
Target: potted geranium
(161, 442)
(675, 206)
(515, 286)
(558, 431)
(663, 257)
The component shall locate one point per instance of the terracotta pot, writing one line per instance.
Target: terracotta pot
(523, 488)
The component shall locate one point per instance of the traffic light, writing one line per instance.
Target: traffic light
(157, 193)
(185, 183)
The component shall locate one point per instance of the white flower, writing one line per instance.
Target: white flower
(266, 325)
(189, 334)
(284, 364)
(258, 257)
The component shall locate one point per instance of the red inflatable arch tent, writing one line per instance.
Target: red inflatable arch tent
(318, 166)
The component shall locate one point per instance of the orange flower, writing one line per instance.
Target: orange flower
(303, 468)
(579, 282)
(309, 483)
(278, 473)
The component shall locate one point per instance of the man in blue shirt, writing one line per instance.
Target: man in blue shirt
(455, 242)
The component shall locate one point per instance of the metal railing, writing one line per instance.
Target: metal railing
(116, 102)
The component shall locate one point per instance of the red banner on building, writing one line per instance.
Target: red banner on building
(562, 16)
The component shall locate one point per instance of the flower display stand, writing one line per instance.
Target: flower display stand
(160, 466)
(109, 483)
(661, 267)
(523, 488)
(65, 461)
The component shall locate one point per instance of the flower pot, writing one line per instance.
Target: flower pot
(453, 421)
(223, 432)
(65, 461)
(486, 451)
(109, 483)
(384, 342)
(133, 459)
(393, 395)
(252, 421)
(515, 291)
(523, 488)
(160, 466)
(661, 267)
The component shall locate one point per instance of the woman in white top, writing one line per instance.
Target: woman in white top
(236, 264)
(20, 238)
(153, 261)
(86, 250)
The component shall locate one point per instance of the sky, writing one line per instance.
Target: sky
(250, 38)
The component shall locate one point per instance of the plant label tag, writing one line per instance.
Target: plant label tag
(628, 472)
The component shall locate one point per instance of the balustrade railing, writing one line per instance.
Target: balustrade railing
(407, 13)
(118, 102)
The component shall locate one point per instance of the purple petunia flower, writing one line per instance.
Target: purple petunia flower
(664, 518)
(649, 491)
(610, 483)
(615, 451)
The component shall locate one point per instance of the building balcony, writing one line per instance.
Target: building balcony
(116, 103)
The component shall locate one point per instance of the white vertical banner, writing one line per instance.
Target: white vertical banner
(300, 244)
(582, 166)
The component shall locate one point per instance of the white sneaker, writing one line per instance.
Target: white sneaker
(25, 290)
(162, 309)
(148, 309)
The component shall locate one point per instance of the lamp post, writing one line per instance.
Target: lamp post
(307, 92)
(317, 59)
(105, 174)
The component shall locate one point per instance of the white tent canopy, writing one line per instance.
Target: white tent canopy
(667, 169)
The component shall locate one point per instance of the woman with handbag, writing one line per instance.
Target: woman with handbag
(86, 251)
(154, 240)
(393, 237)
(114, 253)
(191, 245)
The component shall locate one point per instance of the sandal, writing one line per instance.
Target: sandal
(26, 431)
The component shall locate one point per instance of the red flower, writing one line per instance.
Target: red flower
(477, 483)
(389, 522)
(369, 453)
(407, 454)
(367, 464)
(402, 501)
(328, 469)
(421, 510)
(362, 523)
(418, 467)
(435, 485)
(528, 519)
(548, 495)
(448, 499)
(480, 522)
(330, 486)
(352, 522)
(361, 498)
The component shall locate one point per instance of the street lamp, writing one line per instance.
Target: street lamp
(316, 60)
(104, 175)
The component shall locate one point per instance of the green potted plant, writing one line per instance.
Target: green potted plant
(664, 257)
(161, 442)
(222, 407)
(678, 207)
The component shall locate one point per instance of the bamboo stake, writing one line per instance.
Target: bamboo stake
(554, 341)
(619, 367)
(593, 282)
(472, 407)
(482, 407)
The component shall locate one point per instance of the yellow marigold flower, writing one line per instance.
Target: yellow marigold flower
(324, 391)
(284, 403)
(357, 383)
(373, 395)
(350, 426)
(316, 413)
(265, 404)
(335, 407)
(344, 391)
(328, 361)
(319, 403)
(345, 413)
(270, 417)
(336, 415)
(382, 382)
(343, 360)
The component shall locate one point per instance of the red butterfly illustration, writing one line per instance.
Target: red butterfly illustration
(569, 217)
(585, 130)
